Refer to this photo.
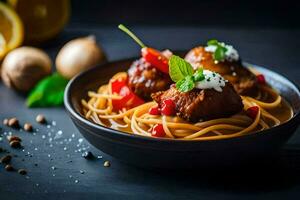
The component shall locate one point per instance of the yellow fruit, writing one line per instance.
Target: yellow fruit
(11, 30)
(43, 19)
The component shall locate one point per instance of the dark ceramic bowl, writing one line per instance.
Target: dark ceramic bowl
(168, 153)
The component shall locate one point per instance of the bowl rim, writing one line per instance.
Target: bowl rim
(74, 114)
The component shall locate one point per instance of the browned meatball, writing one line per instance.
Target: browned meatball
(205, 104)
(145, 79)
(242, 79)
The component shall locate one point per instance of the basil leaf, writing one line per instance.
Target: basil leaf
(198, 75)
(219, 54)
(179, 68)
(213, 42)
(185, 84)
(48, 92)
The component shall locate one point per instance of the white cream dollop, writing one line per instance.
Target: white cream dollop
(231, 54)
(212, 80)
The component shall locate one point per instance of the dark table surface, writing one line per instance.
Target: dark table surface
(61, 172)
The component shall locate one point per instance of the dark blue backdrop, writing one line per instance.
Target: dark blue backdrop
(263, 13)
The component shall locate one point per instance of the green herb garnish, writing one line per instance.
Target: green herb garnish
(198, 75)
(186, 84)
(48, 92)
(182, 73)
(219, 54)
(179, 68)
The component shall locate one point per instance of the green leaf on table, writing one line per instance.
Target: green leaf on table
(179, 68)
(48, 92)
(186, 84)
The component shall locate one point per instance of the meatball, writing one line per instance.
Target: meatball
(145, 79)
(200, 104)
(243, 80)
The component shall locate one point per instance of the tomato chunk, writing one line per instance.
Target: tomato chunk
(156, 58)
(128, 100)
(154, 110)
(261, 79)
(158, 131)
(168, 107)
(252, 111)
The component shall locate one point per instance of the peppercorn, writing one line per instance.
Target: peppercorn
(15, 144)
(22, 171)
(40, 119)
(13, 122)
(5, 159)
(8, 167)
(11, 138)
(28, 127)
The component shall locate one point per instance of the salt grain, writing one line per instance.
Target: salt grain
(58, 135)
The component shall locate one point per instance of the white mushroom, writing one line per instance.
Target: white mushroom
(23, 67)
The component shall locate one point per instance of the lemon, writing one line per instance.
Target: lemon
(42, 19)
(11, 30)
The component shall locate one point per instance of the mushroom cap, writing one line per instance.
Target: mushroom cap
(23, 67)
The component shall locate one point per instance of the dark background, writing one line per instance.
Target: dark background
(221, 13)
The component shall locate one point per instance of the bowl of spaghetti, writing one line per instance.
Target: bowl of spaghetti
(204, 107)
(126, 134)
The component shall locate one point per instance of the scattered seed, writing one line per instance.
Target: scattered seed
(9, 168)
(40, 119)
(76, 181)
(15, 144)
(28, 127)
(88, 155)
(5, 122)
(11, 138)
(22, 171)
(5, 159)
(81, 172)
(106, 164)
(13, 122)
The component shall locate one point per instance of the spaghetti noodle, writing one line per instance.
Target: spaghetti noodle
(137, 120)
